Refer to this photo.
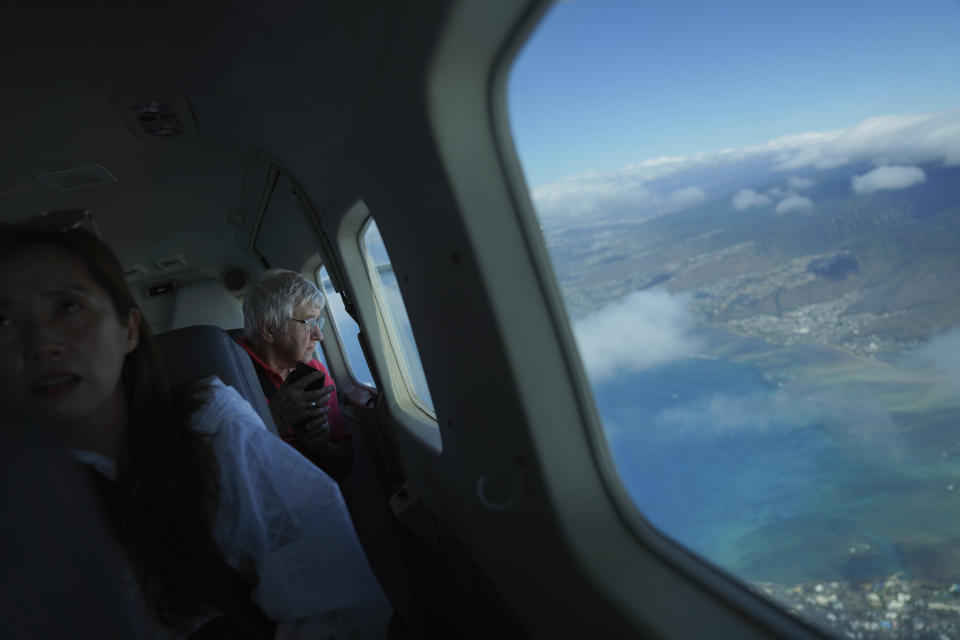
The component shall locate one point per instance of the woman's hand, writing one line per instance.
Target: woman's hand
(293, 403)
(315, 437)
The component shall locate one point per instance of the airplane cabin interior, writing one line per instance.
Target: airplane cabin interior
(207, 142)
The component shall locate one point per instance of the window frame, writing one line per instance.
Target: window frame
(647, 579)
(386, 319)
(412, 428)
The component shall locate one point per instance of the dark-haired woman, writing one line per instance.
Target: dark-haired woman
(227, 530)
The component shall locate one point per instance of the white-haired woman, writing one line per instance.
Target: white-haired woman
(282, 319)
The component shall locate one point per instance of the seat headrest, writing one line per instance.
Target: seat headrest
(206, 302)
(196, 352)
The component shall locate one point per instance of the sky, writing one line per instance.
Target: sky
(602, 84)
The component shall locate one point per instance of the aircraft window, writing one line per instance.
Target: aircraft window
(395, 316)
(753, 214)
(319, 355)
(347, 330)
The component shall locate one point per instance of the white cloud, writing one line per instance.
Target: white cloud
(583, 193)
(903, 139)
(943, 353)
(792, 142)
(746, 198)
(657, 186)
(683, 198)
(645, 329)
(854, 421)
(793, 202)
(722, 413)
(797, 183)
(627, 188)
(599, 191)
(888, 178)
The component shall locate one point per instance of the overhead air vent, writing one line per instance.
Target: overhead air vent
(76, 178)
(158, 114)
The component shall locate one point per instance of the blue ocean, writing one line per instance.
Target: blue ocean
(787, 482)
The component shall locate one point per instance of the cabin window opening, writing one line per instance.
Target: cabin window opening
(753, 215)
(397, 322)
(346, 329)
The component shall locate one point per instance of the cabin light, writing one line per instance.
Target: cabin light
(172, 263)
(164, 131)
(157, 119)
(162, 288)
(151, 106)
(157, 114)
(136, 272)
(151, 109)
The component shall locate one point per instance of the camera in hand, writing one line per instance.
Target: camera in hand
(301, 371)
(305, 370)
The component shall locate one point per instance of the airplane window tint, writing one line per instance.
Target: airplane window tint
(398, 323)
(347, 329)
(753, 214)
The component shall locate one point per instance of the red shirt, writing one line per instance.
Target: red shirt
(338, 430)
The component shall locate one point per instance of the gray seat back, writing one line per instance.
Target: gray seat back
(199, 351)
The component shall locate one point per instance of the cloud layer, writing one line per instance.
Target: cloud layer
(634, 188)
(793, 203)
(746, 198)
(683, 198)
(888, 178)
(893, 143)
(797, 183)
(856, 422)
(645, 329)
(943, 353)
(893, 139)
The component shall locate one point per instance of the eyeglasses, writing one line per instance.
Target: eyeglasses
(311, 324)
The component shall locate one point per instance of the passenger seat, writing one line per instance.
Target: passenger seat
(206, 302)
(199, 351)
